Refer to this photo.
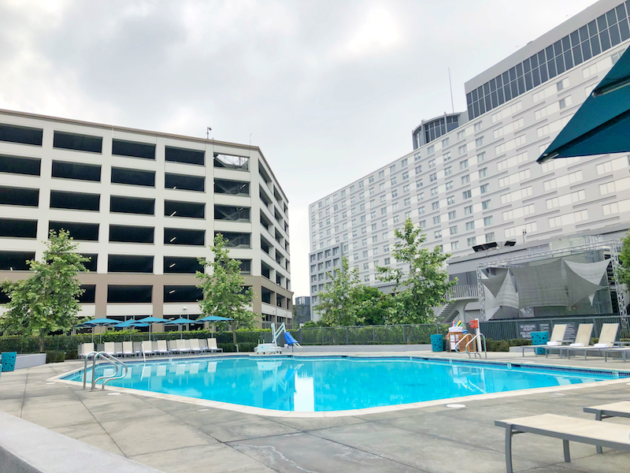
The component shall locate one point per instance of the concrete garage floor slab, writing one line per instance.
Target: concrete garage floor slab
(180, 437)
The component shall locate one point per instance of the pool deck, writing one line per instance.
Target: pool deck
(174, 436)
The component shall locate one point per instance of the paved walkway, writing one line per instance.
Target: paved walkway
(179, 437)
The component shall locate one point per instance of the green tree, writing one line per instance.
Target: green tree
(339, 302)
(223, 291)
(373, 305)
(623, 272)
(422, 284)
(47, 301)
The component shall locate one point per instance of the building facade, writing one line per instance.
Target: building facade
(479, 182)
(144, 206)
(302, 310)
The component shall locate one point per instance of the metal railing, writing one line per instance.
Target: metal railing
(109, 359)
(485, 348)
(463, 292)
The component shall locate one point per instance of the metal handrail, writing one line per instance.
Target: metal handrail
(112, 360)
(485, 348)
(85, 367)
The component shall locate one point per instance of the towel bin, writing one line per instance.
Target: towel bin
(437, 342)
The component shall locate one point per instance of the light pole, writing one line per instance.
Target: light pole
(524, 235)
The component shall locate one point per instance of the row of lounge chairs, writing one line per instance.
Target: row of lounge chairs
(606, 345)
(591, 432)
(159, 347)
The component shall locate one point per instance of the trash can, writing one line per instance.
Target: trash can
(437, 342)
(540, 338)
(8, 361)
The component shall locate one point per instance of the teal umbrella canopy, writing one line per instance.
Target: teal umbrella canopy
(602, 124)
(213, 318)
(152, 320)
(131, 323)
(100, 322)
(181, 322)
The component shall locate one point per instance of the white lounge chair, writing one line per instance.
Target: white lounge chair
(110, 348)
(556, 339)
(212, 345)
(161, 348)
(183, 346)
(86, 349)
(582, 339)
(567, 429)
(604, 411)
(607, 338)
(147, 348)
(172, 346)
(127, 349)
(194, 346)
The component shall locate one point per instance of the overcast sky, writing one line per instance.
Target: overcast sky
(330, 90)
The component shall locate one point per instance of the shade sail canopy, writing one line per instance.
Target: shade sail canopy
(213, 318)
(601, 124)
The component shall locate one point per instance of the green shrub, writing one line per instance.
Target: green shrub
(56, 356)
(519, 342)
(72, 355)
(498, 345)
(245, 347)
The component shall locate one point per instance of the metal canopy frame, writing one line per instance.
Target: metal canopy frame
(612, 246)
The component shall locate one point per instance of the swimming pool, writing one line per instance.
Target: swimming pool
(321, 384)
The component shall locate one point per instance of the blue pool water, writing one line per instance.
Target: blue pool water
(330, 384)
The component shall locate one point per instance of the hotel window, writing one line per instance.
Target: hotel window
(463, 164)
(421, 210)
(392, 168)
(418, 183)
(352, 188)
(406, 188)
(383, 223)
(448, 170)
(432, 163)
(485, 188)
(373, 213)
(374, 239)
(418, 169)
(470, 225)
(452, 215)
(467, 194)
(454, 245)
(366, 266)
(433, 177)
(383, 210)
(385, 236)
(479, 142)
(360, 186)
(483, 173)
(485, 205)
(394, 181)
(381, 174)
(444, 142)
(435, 205)
(383, 198)
(403, 163)
(422, 223)
(466, 179)
(405, 175)
(487, 221)
(447, 157)
(417, 156)
(468, 210)
(430, 150)
(407, 201)
(462, 149)
(436, 220)
(461, 135)
(472, 241)
(437, 234)
(373, 227)
(434, 192)
(453, 230)
(481, 157)
(386, 261)
(450, 200)
(477, 127)
(396, 218)
(371, 179)
(449, 185)
(395, 206)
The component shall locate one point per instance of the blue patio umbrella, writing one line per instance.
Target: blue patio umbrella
(213, 319)
(102, 322)
(131, 323)
(181, 322)
(151, 321)
(601, 125)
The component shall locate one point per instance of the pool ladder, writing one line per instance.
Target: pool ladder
(477, 353)
(109, 359)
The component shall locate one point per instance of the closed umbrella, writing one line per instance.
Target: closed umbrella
(181, 322)
(102, 322)
(601, 124)
(213, 319)
(151, 321)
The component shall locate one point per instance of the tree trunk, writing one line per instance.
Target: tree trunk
(42, 342)
(234, 332)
